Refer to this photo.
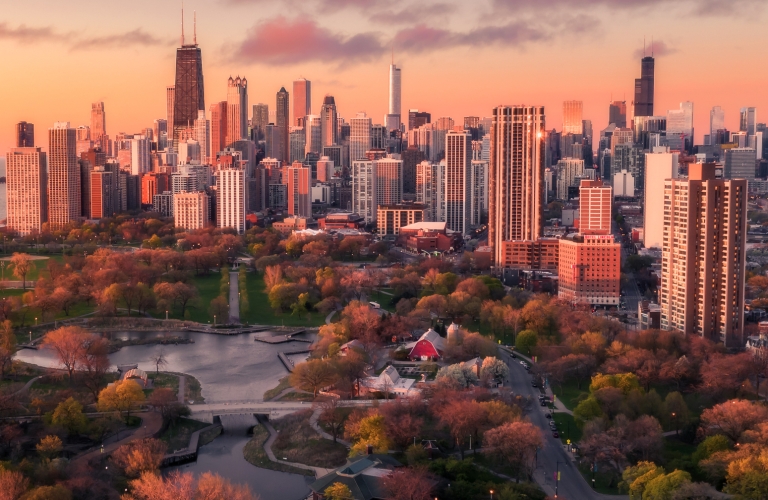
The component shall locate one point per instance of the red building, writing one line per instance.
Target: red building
(428, 348)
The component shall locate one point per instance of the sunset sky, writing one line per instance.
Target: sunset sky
(458, 58)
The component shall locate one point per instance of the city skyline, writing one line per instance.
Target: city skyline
(362, 86)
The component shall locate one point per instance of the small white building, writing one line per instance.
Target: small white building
(389, 381)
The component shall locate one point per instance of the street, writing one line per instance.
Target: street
(572, 484)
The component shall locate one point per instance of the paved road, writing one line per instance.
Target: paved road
(572, 485)
(234, 299)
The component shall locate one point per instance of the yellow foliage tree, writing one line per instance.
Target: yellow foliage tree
(49, 447)
(371, 431)
(120, 397)
(338, 491)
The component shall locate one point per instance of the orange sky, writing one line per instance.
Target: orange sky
(458, 58)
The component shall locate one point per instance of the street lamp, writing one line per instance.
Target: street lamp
(214, 320)
(674, 417)
(491, 494)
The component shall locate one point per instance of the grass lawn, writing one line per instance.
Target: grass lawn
(569, 393)
(165, 380)
(260, 313)
(177, 436)
(192, 390)
(298, 442)
(38, 268)
(606, 482)
(281, 386)
(297, 396)
(254, 453)
(566, 426)
(208, 289)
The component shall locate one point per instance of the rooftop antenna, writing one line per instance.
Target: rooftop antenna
(195, 26)
(182, 23)
(643, 46)
(393, 52)
(651, 46)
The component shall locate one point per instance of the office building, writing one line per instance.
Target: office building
(411, 157)
(102, 204)
(617, 114)
(98, 123)
(748, 120)
(457, 194)
(170, 99)
(162, 203)
(740, 163)
(298, 178)
(703, 256)
(479, 192)
(329, 121)
(359, 137)
(25, 135)
(191, 210)
(680, 127)
(302, 101)
(313, 135)
(394, 109)
(203, 136)
(188, 92)
(644, 91)
(259, 121)
(376, 181)
(595, 200)
(418, 118)
(219, 123)
(589, 270)
(26, 173)
(568, 170)
(282, 120)
(390, 218)
(572, 117)
(623, 184)
(659, 166)
(64, 203)
(298, 144)
(231, 199)
(325, 169)
(541, 254)
(140, 147)
(153, 183)
(716, 120)
(237, 110)
(430, 182)
(516, 176)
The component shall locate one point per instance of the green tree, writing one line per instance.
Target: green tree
(664, 486)
(710, 446)
(338, 491)
(587, 410)
(69, 415)
(526, 340)
(154, 242)
(624, 381)
(676, 409)
(637, 477)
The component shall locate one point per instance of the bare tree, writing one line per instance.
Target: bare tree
(331, 416)
(159, 359)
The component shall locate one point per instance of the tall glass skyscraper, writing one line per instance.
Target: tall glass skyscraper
(188, 97)
(644, 88)
(282, 118)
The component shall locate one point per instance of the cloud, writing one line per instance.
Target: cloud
(280, 41)
(657, 48)
(408, 14)
(326, 6)
(46, 34)
(698, 7)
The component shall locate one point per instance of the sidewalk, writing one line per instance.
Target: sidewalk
(319, 471)
(151, 423)
(313, 423)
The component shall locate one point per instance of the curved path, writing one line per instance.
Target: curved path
(319, 471)
(26, 386)
(151, 423)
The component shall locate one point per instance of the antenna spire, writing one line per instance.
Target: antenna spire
(651, 45)
(182, 23)
(195, 26)
(643, 46)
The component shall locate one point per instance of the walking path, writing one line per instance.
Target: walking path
(313, 423)
(182, 388)
(328, 318)
(319, 471)
(234, 299)
(151, 423)
(26, 386)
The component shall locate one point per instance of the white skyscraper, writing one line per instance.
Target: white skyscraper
(748, 120)
(716, 120)
(313, 128)
(457, 196)
(429, 189)
(479, 191)
(659, 166)
(203, 136)
(230, 199)
(64, 200)
(394, 97)
(26, 189)
(680, 126)
(374, 183)
(359, 136)
(141, 148)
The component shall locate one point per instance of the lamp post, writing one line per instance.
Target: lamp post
(674, 417)
(491, 494)
(214, 320)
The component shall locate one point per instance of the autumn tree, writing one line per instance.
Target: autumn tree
(515, 445)
(69, 343)
(56, 492)
(139, 456)
(313, 376)
(409, 483)
(369, 431)
(49, 447)
(94, 363)
(7, 346)
(69, 415)
(462, 419)
(168, 403)
(13, 484)
(22, 264)
(176, 294)
(331, 416)
(338, 491)
(120, 397)
(732, 418)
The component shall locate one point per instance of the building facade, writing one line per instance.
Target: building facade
(595, 203)
(390, 218)
(63, 176)
(299, 181)
(191, 210)
(589, 270)
(457, 193)
(26, 174)
(231, 199)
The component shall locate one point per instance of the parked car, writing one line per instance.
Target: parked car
(555, 435)
(534, 384)
(543, 403)
(547, 415)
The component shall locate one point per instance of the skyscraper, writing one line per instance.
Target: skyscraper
(189, 96)
(282, 113)
(237, 109)
(63, 176)
(203, 136)
(644, 90)
(457, 195)
(218, 128)
(595, 200)
(572, 117)
(26, 189)
(101, 196)
(98, 123)
(516, 176)
(680, 127)
(302, 101)
(329, 119)
(170, 101)
(659, 166)
(394, 98)
(617, 113)
(748, 120)
(716, 120)
(191, 210)
(429, 189)
(359, 137)
(259, 121)
(25, 135)
(418, 118)
(314, 134)
(299, 181)
(703, 256)
(230, 199)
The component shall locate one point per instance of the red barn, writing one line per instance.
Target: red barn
(429, 347)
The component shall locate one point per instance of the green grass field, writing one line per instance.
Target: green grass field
(39, 268)
(569, 393)
(208, 289)
(260, 313)
(566, 427)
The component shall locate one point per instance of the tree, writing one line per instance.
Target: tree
(676, 409)
(526, 340)
(338, 491)
(409, 483)
(462, 418)
(94, 363)
(664, 486)
(214, 487)
(732, 418)
(120, 397)
(493, 369)
(151, 486)
(139, 456)
(69, 343)
(179, 294)
(49, 447)
(170, 408)
(331, 416)
(69, 415)
(637, 477)
(13, 484)
(722, 375)
(748, 476)
(159, 359)
(7, 346)
(515, 445)
(458, 375)
(22, 263)
(369, 431)
(313, 376)
(56, 492)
